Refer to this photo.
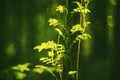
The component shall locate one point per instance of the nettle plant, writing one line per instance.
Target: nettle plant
(56, 51)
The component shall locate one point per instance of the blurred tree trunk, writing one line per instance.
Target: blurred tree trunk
(116, 65)
(23, 25)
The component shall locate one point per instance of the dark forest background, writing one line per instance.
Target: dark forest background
(24, 24)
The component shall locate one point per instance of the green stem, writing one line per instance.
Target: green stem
(78, 55)
(58, 39)
(52, 59)
(60, 75)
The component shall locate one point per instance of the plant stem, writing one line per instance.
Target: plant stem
(78, 53)
(77, 67)
(82, 22)
(58, 40)
(60, 75)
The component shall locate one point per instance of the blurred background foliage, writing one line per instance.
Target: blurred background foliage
(24, 24)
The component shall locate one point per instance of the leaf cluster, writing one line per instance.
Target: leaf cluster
(56, 51)
(20, 69)
(55, 55)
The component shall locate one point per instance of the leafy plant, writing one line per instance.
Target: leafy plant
(19, 70)
(54, 58)
(56, 51)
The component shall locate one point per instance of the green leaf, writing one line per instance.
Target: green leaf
(76, 28)
(60, 32)
(38, 70)
(46, 45)
(22, 67)
(50, 54)
(43, 58)
(83, 36)
(86, 10)
(60, 8)
(79, 7)
(20, 75)
(72, 72)
(78, 3)
(47, 60)
(53, 22)
(50, 62)
(50, 70)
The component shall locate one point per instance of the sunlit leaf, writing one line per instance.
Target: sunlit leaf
(40, 66)
(72, 72)
(38, 70)
(86, 10)
(20, 75)
(60, 9)
(22, 67)
(79, 7)
(46, 60)
(50, 54)
(59, 31)
(83, 36)
(43, 58)
(53, 22)
(50, 62)
(46, 45)
(78, 3)
(51, 70)
(76, 28)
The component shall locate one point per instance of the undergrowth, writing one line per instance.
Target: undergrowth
(57, 50)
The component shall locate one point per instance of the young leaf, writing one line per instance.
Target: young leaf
(21, 67)
(53, 22)
(38, 70)
(46, 45)
(76, 28)
(83, 36)
(50, 70)
(86, 10)
(60, 32)
(78, 4)
(20, 75)
(60, 9)
(43, 58)
(72, 72)
(50, 54)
